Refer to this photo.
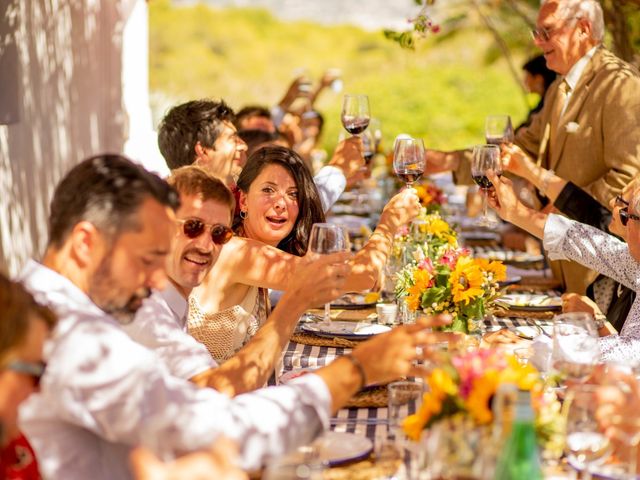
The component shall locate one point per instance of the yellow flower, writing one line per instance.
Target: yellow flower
(483, 388)
(466, 280)
(441, 384)
(438, 227)
(421, 279)
(371, 297)
(498, 269)
(414, 424)
(524, 376)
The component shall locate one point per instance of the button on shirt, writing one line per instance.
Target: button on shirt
(161, 326)
(103, 393)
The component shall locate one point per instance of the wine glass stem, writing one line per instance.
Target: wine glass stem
(327, 313)
(484, 204)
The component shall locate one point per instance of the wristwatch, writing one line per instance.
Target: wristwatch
(600, 320)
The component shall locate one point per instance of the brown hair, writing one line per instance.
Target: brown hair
(17, 308)
(194, 180)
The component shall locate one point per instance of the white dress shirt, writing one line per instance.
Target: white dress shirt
(566, 239)
(102, 393)
(330, 182)
(161, 326)
(573, 75)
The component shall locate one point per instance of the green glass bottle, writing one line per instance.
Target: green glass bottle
(520, 458)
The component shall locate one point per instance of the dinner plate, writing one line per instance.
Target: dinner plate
(531, 302)
(528, 332)
(604, 472)
(337, 448)
(352, 301)
(508, 256)
(510, 281)
(348, 330)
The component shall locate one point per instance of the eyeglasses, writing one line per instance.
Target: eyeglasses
(544, 34)
(625, 216)
(193, 228)
(621, 202)
(34, 370)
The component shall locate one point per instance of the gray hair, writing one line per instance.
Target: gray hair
(590, 10)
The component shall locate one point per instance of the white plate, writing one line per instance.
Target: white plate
(530, 301)
(349, 330)
(352, 301)
(509, 256)
(337, 448)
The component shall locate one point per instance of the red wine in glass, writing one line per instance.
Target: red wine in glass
(409, 176)
(355, 125)
(483, 181)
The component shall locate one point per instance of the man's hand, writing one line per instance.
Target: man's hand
(401, 209)
(295, 91)
(349, 158)
(320, 278)
(215, 464)
(393, 355)
(437, 161)
(516, 161)
(502, 197)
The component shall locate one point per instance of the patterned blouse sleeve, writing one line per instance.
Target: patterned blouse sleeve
(567, 239)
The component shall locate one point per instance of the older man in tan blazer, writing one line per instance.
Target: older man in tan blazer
(589, 128)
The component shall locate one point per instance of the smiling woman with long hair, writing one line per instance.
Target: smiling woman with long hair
(278, 204)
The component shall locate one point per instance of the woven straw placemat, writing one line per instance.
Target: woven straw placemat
(543, 315)
(371, 397)
(364, 470)
(309, 339)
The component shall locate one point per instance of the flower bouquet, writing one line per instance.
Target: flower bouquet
(431, 196)
(457, 408)
(449, 280)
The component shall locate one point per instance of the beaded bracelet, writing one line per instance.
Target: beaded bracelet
(356, 363)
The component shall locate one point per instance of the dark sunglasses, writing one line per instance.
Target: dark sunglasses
(34, 370)
(621, 202)
(625, 216)
(193, 228)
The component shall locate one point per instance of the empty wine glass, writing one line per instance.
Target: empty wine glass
(575, 345)
(355, 113)
(498, 129)
(328, 238)
(586, 445)
(485, 157)
(408, 159)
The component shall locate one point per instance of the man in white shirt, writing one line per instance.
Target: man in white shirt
(111, 226)
(202, 132)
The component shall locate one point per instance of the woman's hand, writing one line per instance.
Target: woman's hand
(572, 302)
(401, 209)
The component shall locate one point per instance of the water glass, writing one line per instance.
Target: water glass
(404, 398)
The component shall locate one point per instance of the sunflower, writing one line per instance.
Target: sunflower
(438, 227)
(466, 280)
(497, 269)
(421, 281)
(477, 403)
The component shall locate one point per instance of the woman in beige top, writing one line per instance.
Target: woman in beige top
(278, 204)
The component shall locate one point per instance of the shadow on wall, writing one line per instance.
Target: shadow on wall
(68, 104)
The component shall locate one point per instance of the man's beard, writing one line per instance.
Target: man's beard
(103, 290)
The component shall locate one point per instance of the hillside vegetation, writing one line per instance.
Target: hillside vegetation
(441, 92)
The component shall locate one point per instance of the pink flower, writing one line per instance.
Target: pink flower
(426, 264)
(435, 28)
(403, 230)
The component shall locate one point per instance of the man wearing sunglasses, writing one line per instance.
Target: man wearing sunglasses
(588, 129)
(110, 232)
(203, 226)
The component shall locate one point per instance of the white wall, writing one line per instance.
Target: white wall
(62, 69)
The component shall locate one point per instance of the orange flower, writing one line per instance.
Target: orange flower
(497, 269)
(422, 281)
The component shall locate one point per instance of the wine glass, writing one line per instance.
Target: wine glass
(575, 345)
(485, 157)
(328, 238)
(408, 159)
(368, 146)
(498, 129)
(355, 113)
(586, 445)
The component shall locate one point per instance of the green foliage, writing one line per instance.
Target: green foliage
(441, 92)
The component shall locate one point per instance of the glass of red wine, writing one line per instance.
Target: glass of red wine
(498, 130)
(408, 159)
(355, 113)
(368, 146)
(485, 157)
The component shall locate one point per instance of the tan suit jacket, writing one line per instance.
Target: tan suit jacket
(597, 145)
